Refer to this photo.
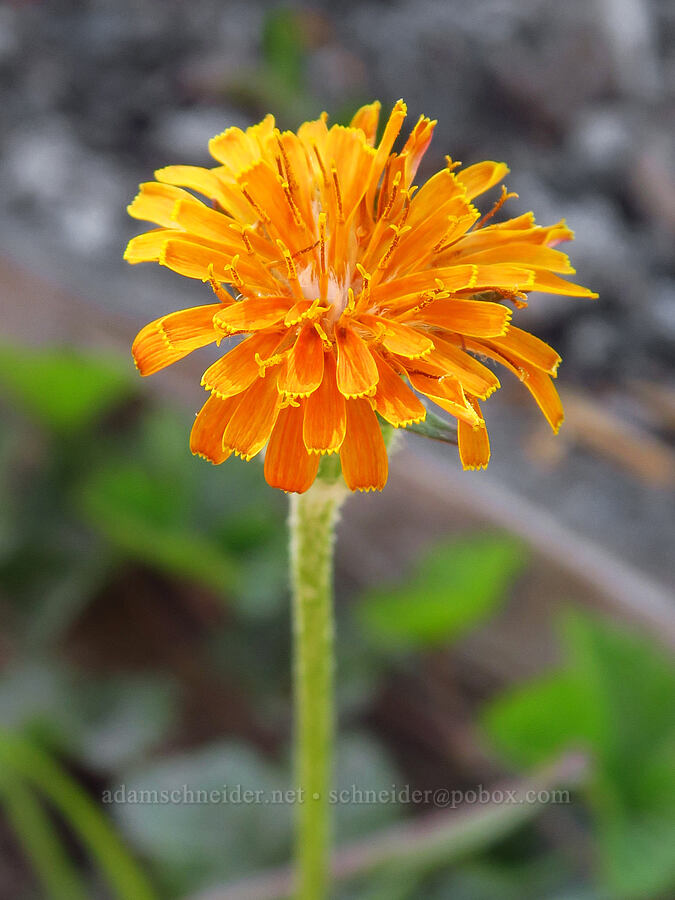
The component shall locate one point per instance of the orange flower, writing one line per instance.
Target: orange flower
(357, 291)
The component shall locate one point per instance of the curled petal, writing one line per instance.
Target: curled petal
(447, 393)
(205, 181)
(366, 119)
(148, 247)
(481, 177)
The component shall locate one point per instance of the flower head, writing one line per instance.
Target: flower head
(357, 293)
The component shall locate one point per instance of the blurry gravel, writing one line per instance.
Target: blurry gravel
(578, 97)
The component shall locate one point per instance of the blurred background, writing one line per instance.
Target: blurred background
(510, 627)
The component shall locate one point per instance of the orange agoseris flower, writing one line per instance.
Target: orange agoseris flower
(357, 291)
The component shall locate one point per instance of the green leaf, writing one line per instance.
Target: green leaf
(454, 588)
(144, 515)
(40, 841)
(615, 695)
(64, 389)
(27, 761)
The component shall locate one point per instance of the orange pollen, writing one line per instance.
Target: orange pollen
(241, 231)
(327, 343)
(235, 277)
(322, 243)
(270, 361)
(295, 212)
(218, 289)
(384, 261)
(315, 148)
(305, 250)
(338, 195)
(365, 290)
(261, 212)
(287, 163)
(392, 196)
(506, 195)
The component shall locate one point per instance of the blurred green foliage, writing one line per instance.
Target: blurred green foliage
(96, 488)
(614, 697)
(455, 587)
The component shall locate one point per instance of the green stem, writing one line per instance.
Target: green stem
(312, 528)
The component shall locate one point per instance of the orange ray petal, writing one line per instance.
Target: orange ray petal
(356, 369)
(155, 203)
(202, 221)
(398, 338)
(263, 186)
(477, 318)
(252, 314)
(206, 437)
(205, 181)
(363, 453)
(170, 338)
(148, 247)
(298, 172)
(325, 416)
(441, 194)
(456, 278)
(353, 159)
(549, 283)
(520, 253)
(481, 177)
(394, 400)
(472, 375)
(529, 348)
(538, 383)
(416, 146)
(288, 465)
(546, 396)
(473, 443)
(390, 134)
(235, 149)
(303, 370)
(194, 261)
(239, 367)
(252, 422)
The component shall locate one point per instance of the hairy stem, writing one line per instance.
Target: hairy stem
(312, 529)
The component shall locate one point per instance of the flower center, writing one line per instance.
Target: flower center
(335, 294)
